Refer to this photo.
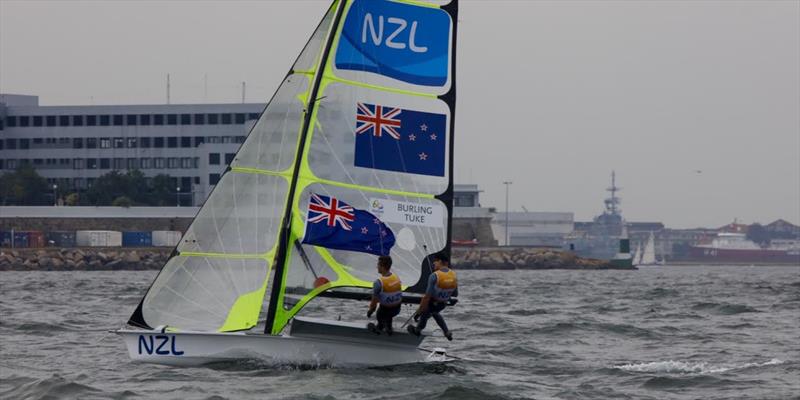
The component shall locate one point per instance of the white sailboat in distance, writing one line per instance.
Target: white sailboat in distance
(649, 252)
(351, 158)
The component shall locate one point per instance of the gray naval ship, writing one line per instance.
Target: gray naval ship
(606, 236)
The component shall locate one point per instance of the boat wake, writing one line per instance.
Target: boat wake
(683, 367)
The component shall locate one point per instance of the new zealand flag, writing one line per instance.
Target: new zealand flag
(395, 139)
(333, 224)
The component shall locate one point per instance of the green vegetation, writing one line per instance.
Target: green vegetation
(25, 187)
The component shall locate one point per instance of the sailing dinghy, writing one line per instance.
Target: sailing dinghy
(351, 158)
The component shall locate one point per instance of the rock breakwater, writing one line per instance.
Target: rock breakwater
(86, 259)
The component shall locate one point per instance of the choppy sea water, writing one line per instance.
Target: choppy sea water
(658, 333)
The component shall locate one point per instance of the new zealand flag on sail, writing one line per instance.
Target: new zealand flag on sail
(395, 139)
(333, 224)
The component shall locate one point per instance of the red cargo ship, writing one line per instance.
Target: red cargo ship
(735, 248)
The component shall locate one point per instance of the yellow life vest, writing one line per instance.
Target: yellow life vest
(391, 290)
(446, 284)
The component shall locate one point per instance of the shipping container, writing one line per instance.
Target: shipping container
(5, 239)
(137, 239)
(36, 239)
(61, 239)
(166, 238)
(98, 238)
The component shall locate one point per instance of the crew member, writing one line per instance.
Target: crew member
(442, 285)
(386, 291)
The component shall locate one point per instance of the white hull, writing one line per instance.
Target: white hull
(318, 347)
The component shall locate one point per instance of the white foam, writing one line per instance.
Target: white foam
(683, 367)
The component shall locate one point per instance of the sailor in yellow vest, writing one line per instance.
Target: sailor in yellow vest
(442, 285)
(386, 291)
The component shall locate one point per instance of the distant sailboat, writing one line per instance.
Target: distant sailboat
(351, 158)
(649, 252)
(637, 256)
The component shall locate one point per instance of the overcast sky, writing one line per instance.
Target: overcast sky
(551, 95)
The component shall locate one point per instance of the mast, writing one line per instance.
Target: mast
(286, 223)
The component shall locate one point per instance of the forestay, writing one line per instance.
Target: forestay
(377, 135)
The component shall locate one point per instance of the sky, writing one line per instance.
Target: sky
(694, 104)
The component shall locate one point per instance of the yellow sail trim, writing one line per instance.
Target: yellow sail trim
(227, 255)
(248, 170)
(244, 313)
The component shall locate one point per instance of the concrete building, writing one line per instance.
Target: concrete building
(471, 222)
(73, 145)
(540, 229)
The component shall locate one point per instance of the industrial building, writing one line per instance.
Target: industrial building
(538, 229)
(71, 146)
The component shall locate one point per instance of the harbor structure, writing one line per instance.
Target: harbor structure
(71, 146)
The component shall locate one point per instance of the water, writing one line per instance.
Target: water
(656, 333)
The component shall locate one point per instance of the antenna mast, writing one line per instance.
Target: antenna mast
(167, 88)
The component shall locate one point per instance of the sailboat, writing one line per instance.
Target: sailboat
(637, 256)
(362, 123)
(649, 252)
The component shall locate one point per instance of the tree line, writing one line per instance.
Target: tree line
(25, 187)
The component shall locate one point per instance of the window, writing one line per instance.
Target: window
(79, 183)
(213, 158)
(39, 141)
(105, 163)
(38, 161)
(172, 119)
(213, 179)
(24, 121)
(64, 161)
(213, 119)
(2, 143)
(229, 158)
(11, 164)
(198, 140)
(144, 142)
(90, 182)
(158, 119)
(77, 120)
(186, 141)
(63, 120)
(1, 163)
(133, 163)
(63, 142)
(158, 142)
(195, 162)
(11, 144)
(11, 121)
(158, 162)
(77, 143)
(187, 162)
(240, 139)
(186, 119)
(213, 139)
(91, 120)
(119, 163)
(227, 139)
(130, 143)
(105, 120)
(105, 143)
(172, 162)
(196, 180)
(186, 183)
(226, 119)
(38, 120)
(144, 119)
(145, 163)
(119, 142)
(130, 119)
(118, 120)
(239, 118)
(172, 142)
(91, 143)
(254, 115)
(199, 119)
(91, 163)
(24, 144)
(50, 120)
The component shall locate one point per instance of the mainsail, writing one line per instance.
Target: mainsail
(364, 116)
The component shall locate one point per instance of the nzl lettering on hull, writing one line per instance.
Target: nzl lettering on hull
(402, 41)
(162, 345)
